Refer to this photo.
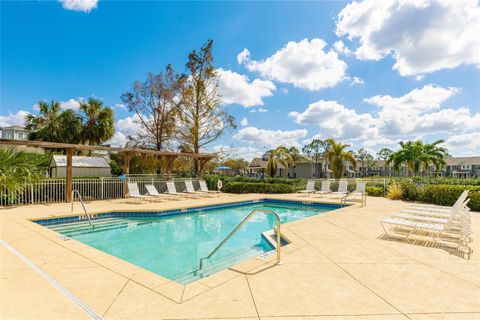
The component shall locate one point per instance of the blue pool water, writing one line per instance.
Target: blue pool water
(171, 245)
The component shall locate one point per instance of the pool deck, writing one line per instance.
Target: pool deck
(335, 268)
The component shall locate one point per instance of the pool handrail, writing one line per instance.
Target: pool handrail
(239, 226)
(83, 205)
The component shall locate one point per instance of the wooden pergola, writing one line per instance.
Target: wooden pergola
(128, 152)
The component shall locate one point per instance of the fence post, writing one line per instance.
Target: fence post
(384, 187)
(101, 186)
(31, 193)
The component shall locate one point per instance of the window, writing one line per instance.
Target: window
(8, 135)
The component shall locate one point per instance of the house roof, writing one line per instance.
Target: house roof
(455, 161)
(80, 161)
(16, 127)
(260, 163)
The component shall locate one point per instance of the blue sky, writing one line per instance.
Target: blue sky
(370, 74)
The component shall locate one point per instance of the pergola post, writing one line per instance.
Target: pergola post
(69, 175)
(126, 170)
(170, 160)
(201, 170)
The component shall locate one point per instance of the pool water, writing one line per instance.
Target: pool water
(172, 245)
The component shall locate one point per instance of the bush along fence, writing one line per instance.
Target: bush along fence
(440, 191)
(103, 188)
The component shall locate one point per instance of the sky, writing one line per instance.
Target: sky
(369, 73)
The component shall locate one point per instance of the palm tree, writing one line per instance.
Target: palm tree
(52, 124)
(418, 156)
(279, 155)
(18, 168)
(410, 154)
(295, 155)
(98, 124)
(435, 155)
(336, 156)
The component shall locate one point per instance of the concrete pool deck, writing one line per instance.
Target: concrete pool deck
(335, 268)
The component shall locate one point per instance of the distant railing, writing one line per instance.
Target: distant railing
(102, 188)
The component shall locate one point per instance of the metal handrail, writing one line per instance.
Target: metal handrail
(83, 205)
(363, 198)
(238, 227)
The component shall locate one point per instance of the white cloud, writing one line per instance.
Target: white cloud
(304, 64)
(270, 138)
(335, 120)
(261, 110)
(13, 119)
(417, 114)
(71, 104)
(79, 5)
(417, 101)
(422, 36)
(357, 80)
(244, 122)
(121, 106)
(128, 126)
(340, 47)
(466, 144)
(235, 88)
(247, 153)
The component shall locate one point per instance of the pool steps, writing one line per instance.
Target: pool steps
(223, 262)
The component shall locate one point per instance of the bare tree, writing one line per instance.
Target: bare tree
(202, 118)
(156, 103)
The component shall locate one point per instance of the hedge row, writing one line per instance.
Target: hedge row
(440, 194)
(258, 187)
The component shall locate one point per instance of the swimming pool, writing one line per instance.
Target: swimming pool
(171, 243)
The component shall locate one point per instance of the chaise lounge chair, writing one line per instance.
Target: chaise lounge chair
(172, 190)
(134, 192)
(191, 189)
(310, 187)
(342, 189)
(452, 229)
(325, 188)
(152, 191)
(204, 187)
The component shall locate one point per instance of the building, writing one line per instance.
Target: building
(81, 167)
(461, 167)
(257, 168)
(14, 133)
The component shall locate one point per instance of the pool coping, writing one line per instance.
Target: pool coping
(170, 289)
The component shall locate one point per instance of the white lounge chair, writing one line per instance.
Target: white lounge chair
(342, 189)
(152, 191)
(325, 188)
(191, 189)
(204, 187)
(358, 192)
(134, 192)
(172, 190)
(310, 187)
(440, 230)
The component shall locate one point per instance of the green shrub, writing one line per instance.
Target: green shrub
(395, 191)
(374, 191)
(257, 187)
(446, 195)
(410, 191)
(447, 181)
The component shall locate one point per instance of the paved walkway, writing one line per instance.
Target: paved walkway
(335, 268)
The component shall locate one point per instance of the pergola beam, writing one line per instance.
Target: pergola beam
(56, 145)
(129, 153)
